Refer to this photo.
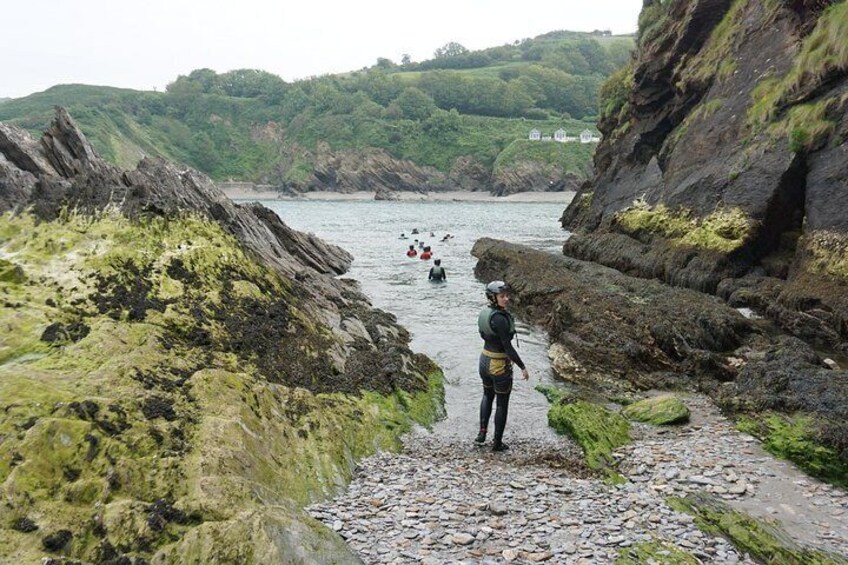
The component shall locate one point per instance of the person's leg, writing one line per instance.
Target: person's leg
(487, 400)
(503, 388)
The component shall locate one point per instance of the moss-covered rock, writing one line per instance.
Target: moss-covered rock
(11, 273)
(166, 396)
(654, 552)
(598, 430)
(764, 541)
(658, 410)
(794, 438)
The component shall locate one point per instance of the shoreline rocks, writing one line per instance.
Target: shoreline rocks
(440, 501)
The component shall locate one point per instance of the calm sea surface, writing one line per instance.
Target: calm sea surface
(442, 318)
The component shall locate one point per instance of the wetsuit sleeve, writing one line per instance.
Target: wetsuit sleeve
(500, 325)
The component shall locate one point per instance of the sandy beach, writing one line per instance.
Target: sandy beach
(454, 196)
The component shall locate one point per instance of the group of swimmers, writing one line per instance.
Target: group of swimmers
(437, 272)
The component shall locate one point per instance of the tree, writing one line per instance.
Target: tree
(451, 49)
(384, 63)
(405, 59)
(414, 104)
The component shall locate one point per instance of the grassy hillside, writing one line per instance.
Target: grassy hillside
(251, 125)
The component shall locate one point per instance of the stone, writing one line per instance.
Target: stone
(658, 410)
(462, 538)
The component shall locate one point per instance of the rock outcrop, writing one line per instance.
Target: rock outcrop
(723, 163)
(617, 335)
(375, 170)
(179, 375)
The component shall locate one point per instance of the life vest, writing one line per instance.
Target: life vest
(426, 255)
(411, 253)
(484, 322)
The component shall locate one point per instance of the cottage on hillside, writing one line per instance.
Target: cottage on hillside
(535, 135)
(587, 137)
(559, 135)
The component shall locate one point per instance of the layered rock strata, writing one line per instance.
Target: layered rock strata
(179, 375)
(723, 163)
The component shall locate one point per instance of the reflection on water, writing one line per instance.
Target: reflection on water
(442, 318)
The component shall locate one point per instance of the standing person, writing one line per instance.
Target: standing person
(497, 328)
(437, 272)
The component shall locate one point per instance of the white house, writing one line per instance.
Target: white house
(560, 135)
(587, 137)
(535, 135)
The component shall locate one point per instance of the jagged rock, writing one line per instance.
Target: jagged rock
(531, 176)
(164, 344)
(385, 194)
(368, 171)
(707, 126)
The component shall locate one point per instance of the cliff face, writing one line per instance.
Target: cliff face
(723, 165)
(375, 170)
(178, 374)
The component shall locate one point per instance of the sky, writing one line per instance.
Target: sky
(146, 45)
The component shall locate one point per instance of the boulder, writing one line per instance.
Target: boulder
(658, 410)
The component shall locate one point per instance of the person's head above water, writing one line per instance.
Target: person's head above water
(437, 262)
(412, 247)
(497, 293)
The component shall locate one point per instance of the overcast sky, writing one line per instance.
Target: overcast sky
(146, 45)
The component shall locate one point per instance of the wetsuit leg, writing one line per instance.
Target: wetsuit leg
(488, 394)
(500, 416)
(502, 391)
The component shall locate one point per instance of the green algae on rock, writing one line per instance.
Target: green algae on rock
(161, 400)
(598, 430)
(181, 374)
(794, 438)
(766, 542)
(654, 552)
(658, 410)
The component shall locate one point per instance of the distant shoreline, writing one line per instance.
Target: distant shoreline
(454, 196)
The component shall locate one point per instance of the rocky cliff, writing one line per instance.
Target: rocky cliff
(723, 166)
(179, 375)
(374, 170)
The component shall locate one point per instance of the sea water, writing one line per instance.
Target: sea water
(442, 318)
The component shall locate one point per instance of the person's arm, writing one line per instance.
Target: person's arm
(444, 274)
(500, 325)
(430, 276)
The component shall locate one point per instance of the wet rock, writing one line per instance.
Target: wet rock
(56, 541)
(24, 524)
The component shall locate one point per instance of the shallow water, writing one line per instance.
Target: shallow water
(442, 318)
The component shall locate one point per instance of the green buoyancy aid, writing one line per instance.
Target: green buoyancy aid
(484, 321)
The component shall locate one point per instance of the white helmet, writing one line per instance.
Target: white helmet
(494, 288)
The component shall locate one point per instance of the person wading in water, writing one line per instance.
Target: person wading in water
(497, 328)
(437, 272)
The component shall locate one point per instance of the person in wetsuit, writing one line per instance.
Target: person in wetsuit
(437, 272)
(497, 328)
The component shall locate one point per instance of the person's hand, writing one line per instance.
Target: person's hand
(525, 374)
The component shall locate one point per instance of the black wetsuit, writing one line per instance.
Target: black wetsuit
(496, 370)
(437, 274)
